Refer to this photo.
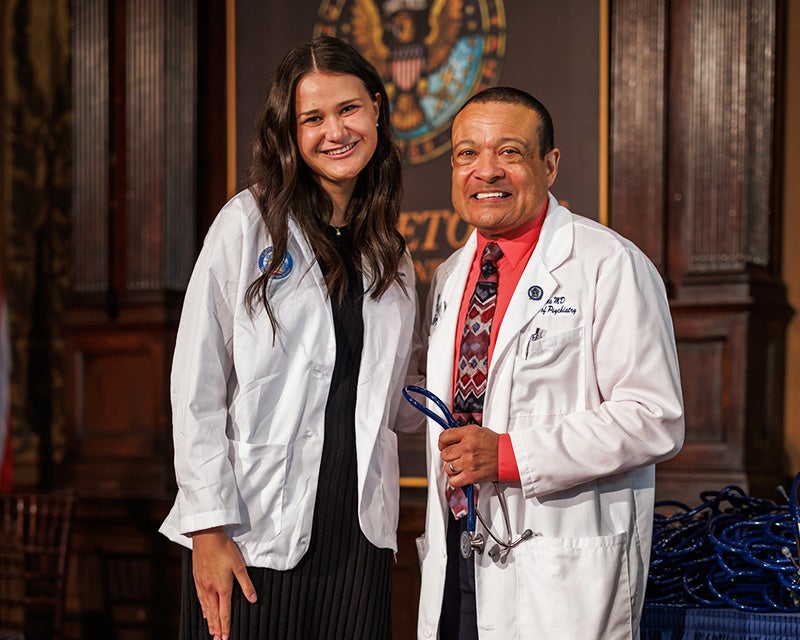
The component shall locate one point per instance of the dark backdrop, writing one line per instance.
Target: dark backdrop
(552, 51)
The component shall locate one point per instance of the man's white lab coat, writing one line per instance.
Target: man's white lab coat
(584, 377)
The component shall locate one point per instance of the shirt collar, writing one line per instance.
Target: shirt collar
(516, 244)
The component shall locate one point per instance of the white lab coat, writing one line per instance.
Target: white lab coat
(591, 404)
(248, 406)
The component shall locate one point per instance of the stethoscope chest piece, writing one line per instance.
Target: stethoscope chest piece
(471, 541)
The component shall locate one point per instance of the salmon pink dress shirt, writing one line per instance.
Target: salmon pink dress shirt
(517, 249)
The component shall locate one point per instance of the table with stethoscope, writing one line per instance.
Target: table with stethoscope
(725, 568)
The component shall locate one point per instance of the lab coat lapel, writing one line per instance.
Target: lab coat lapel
(537, 283)
(297, 237)
(388, 323)
(381, 336)
(443, 335)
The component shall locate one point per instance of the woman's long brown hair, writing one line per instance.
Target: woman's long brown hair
(283, 185)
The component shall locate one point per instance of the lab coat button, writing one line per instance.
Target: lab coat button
(428, 633)
(309, 433)
(316, 372)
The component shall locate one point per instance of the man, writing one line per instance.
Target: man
(566, 379)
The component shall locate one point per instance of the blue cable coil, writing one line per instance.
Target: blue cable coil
(732, 550)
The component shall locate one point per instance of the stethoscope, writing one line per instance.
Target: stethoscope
(470, 540)
(732, 550)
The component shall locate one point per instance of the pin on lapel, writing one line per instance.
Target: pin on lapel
(535, 292)
(283, 270)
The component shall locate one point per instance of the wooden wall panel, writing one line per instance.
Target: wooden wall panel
(720, 166)
(637, 143)
(144, 130)
(135, 83)
(91, 130)
(135, 245)
(36, 149)
(135, 242)
(695, 86)
(705, 356)
(121, 416)
(708, 351)
(181, 148)
(160, 100)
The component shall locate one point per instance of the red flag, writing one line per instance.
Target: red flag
(6, 476)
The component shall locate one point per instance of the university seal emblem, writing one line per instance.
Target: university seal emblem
(431, 54)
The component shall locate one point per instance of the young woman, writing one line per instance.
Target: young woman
(292, 349)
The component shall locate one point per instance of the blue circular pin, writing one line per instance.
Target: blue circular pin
(535, 292)
(282, 271)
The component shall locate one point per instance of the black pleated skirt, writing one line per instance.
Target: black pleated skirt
(341, 589)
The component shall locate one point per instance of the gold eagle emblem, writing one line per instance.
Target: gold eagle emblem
(406, 40)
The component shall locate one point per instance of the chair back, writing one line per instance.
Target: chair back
(35, 531)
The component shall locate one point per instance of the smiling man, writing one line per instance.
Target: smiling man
(551, 339)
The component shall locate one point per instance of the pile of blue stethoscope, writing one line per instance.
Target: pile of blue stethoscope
(732, 550)
(470, 539)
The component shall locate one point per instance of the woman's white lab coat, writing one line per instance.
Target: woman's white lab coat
(248, 405)
(584, 378)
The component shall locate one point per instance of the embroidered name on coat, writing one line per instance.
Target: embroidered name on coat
(558, 305)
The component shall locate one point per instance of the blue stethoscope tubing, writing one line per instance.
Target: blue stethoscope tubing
(470, 540)
(446, 421)
(733, 550)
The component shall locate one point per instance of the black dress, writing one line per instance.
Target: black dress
(341, 589)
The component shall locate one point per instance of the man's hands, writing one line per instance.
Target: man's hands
(215, 561)
(469, 454)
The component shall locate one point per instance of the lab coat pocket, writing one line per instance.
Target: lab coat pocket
(253, 408)
(260, 471)
(549, 375)
(574, 588)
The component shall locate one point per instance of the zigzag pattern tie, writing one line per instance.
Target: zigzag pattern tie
(473, 361)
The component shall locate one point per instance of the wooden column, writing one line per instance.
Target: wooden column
(134, 243)
(695, 175)
(133, 234)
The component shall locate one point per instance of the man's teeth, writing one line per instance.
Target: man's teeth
(494, 194)
(338, 152)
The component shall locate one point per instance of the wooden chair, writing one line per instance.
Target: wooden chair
(34, 544)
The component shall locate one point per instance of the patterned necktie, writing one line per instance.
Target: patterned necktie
(473, 361)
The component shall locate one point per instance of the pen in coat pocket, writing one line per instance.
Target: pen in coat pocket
(537, 333)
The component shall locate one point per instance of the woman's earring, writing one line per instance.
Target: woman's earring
(377, 124)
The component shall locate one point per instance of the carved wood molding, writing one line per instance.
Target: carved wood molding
(695, 93)
(135, 81)
(692, 133)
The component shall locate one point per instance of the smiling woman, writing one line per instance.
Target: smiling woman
(337, 133)
(286, 464)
